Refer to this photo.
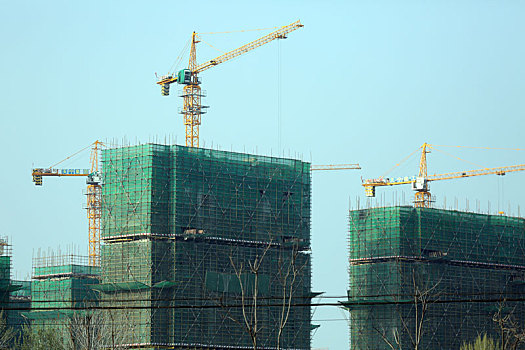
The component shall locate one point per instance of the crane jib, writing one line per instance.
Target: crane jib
(62, 171)
(278, 34)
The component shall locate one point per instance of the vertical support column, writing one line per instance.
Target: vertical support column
(192, 99)
(94, 193)
(192, 112)
(94, 208)
(422, 199)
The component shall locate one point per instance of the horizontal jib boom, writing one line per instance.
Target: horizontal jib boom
(389, 181)
(60, 172)
(74, 171)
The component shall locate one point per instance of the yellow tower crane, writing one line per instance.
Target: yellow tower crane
(192, 108)
(93, 194)
(420, 183)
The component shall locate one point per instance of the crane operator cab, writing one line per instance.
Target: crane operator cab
(421, 184)
(94, 178)
(184, 77)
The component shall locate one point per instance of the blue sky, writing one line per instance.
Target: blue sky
(362, 82)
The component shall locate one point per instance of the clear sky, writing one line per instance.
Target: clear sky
(363, 82)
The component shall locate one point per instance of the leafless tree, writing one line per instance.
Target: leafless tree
(289, 270)
(97, 330)
(422, 296)
(512, 334)
(394, 345)
(250, 310)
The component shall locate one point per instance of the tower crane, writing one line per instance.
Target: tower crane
(93, 194)
(192, 108)
(420, 183)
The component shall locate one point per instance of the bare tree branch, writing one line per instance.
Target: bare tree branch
(512, 334)
(288, 291)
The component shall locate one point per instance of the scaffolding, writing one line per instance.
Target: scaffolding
(178, 222)
(60, 288)
(19, 302)
(462, 267)
(13, 294)
(5, 275)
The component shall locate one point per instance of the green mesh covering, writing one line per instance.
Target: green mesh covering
(119, 287)
(6, 285)
(51, 315)
(232, 283)
(136, 190)
(22, 289)
(60, 291)
(175, 190)
(5, 267)
(468, 260)
(5, 279)
(133, 268)
(240, 196)
(19, 301)
(207, 277)
(179, 221)
(47, 271)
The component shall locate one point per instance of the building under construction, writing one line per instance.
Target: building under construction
(195, 239)
(14, 295)
(432, 277)
(19, 302)
(60, 288)
(6, 286)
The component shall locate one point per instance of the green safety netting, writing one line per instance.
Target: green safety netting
(464, 258)
(182, 220)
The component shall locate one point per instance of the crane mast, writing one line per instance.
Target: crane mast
(192, 94)
(422, 197)
(94, 207)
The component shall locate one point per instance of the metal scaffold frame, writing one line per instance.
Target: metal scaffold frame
(178, 222)
(61, 287)
(5, 272)
(467, 263)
